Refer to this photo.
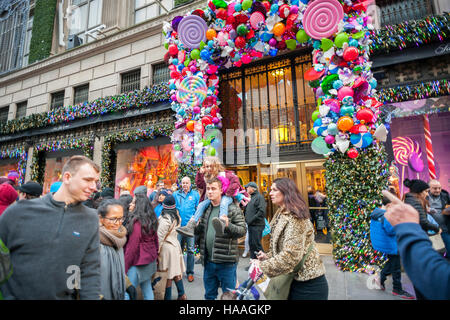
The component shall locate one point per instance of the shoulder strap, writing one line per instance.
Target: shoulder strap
(299, 266)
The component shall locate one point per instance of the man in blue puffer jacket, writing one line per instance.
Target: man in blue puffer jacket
(383, 239)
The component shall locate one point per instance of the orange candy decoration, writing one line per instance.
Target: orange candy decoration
(345, 123)
(278, 29)
(211, 34)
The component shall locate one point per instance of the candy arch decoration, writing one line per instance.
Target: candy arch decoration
(232, 34)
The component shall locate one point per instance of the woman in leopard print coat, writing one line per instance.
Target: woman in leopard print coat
(291, 236)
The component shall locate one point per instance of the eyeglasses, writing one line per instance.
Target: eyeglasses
(116, 220)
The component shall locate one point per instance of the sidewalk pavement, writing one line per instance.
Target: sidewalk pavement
(341, 285)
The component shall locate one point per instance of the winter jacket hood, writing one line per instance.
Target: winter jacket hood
(7, 196)
(382, 234)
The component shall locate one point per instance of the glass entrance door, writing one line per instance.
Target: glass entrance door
(313, 187)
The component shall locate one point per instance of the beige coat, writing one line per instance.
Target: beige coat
(170, 254)
(290, 239)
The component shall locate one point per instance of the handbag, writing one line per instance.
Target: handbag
(266, 230)
(436, 241)
(159, 278)
(279, 286)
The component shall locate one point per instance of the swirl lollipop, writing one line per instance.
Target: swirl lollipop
(322, 17)
(403, 147)
(192, 91)
(191, 31)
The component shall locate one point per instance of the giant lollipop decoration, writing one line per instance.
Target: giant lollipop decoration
(406, 151)
(192, 91)
(192, 31)
(322, 17)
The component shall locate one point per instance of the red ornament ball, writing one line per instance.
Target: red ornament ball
(352, 153)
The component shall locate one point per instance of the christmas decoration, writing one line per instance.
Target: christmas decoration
(413, 33)
(353, 187)
(138, 99)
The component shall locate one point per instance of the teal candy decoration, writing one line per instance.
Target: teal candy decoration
(332, 129)
(347, 110)
(347, 101)
(319, 146)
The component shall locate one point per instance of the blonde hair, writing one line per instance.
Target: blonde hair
(216, 167)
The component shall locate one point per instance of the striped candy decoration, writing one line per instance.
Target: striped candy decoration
(429, 146)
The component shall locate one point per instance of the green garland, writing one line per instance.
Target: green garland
(86, 144)
(422, 90)
(408, 34)
(19, 153)
(354, 190)
(42, 33)
(138, 99)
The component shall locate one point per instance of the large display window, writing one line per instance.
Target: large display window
(6, 166)
(54, 163)
(145, 166)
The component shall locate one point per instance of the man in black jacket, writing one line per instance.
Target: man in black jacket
(219, 253)
(438, 199)
(255, 212)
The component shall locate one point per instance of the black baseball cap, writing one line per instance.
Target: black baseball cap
(31, 188)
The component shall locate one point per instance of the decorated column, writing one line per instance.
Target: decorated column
(346, 122)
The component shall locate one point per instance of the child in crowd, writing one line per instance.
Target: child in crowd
(231, 189)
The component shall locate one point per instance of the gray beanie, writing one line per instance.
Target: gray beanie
(141, 189)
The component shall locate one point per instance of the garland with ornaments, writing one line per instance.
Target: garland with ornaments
(409, 34)
(137, 99)
(85, 144)
(21, 155)
(430, 89)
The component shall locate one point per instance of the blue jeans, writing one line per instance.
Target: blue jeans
(224, 203)
(189, 241)
(217, 275)
(146, 284)
(446, 239)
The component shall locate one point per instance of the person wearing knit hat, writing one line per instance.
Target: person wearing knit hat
(7, 196)
(29, 190)
(417, 197)
(170, 253)
(141, 189)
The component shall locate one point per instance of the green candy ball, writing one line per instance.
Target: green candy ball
(302, 36)
(195, 54)
(246, 4)
(242, 30)
(340, 39)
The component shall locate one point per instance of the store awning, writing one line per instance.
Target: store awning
(161, 106)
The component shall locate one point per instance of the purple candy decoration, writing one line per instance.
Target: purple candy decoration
(176, 22)
(191, 31)
(415, 162)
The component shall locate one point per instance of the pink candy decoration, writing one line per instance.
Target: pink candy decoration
(345, 91)
(329, 139)
(256, 18)
(322, 17)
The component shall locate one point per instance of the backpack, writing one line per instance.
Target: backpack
(5, 263)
